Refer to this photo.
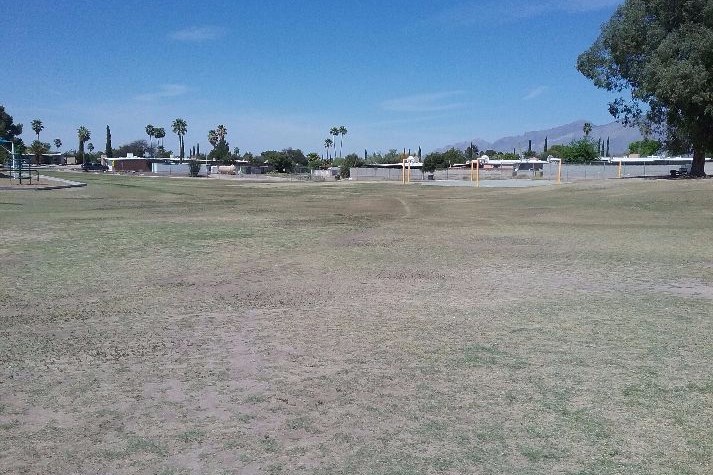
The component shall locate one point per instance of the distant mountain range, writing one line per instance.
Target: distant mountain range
(619, 138)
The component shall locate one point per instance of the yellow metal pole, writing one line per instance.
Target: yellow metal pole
(403, 171)
(409, 171)
(471, 171)
(619, 167)
(477, 173)
(559, 172)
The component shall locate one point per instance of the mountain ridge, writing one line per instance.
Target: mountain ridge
(619, 138)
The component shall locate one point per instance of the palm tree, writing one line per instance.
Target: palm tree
(159, 133)
(37, 127)
(587, 129)
(221, 132)
(38, 149)
(327, 144)
(150, 131)
(213, 138)
(342, 133)
(180, 127)
(84, 135)
(334, 132)
(57, 143)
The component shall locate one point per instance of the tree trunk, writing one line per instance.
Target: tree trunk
(699, 162)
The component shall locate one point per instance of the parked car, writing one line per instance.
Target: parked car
(94, 166)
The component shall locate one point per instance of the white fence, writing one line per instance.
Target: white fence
(176, 169)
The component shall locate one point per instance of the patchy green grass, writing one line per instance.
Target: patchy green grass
(182, 326)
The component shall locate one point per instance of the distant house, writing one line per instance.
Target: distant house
(46, 158)
(127, 164)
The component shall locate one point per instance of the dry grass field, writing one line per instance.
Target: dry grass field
(185, 326)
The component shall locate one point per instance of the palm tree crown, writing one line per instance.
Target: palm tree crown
(150, 131)
(37, 127)
(213, 138)
(221, 132)
(83, 134)
(180, 127)
(328, 144)
(587, 129)
(159, 133)
(342, 132)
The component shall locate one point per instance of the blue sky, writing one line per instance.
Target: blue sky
(280, 73)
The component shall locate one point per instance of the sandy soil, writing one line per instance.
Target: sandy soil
(182, 326)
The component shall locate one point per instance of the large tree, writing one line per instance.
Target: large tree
(221, 149)
(180, 128)
(137, 148)
(658, 54)
(9, 131)
(645, 148)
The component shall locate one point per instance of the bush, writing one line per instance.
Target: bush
(578, 151)
(350, 161)
(194, 167)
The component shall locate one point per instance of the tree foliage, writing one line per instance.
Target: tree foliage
(37, 127)
(279, 161)
(348, 162)
(315, 162)
(180, 128)
(657, 54)
(285, 161)
(10, 131)
(160, 133)
(137, 148)
(472, 151)
(578, 151)
(440, 160)
(38, 148)
(84, 135)
(646, 147)
(587, 129)
(107, 148)
(221, 153)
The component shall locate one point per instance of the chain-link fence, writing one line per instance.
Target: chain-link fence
(546, 171)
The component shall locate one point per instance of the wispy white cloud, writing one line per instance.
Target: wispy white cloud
(197, 34)
(535, 93)
(166, 90)
(477, 12)
(433, 102)
(579, 6)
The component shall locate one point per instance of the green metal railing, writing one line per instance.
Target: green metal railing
(23, 174)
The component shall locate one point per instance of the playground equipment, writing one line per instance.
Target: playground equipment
(18, 170)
